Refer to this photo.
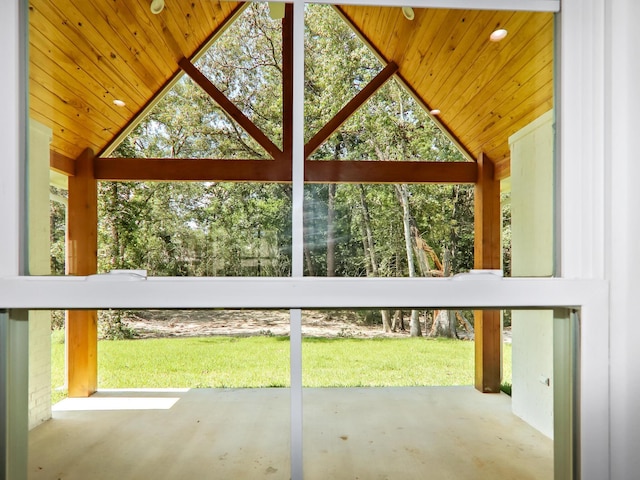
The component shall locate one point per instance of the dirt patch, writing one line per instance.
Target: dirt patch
(239, 323)
(204, 323)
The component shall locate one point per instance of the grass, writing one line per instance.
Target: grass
(263, 361)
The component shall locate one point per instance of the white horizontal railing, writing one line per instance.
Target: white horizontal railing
(133, 291)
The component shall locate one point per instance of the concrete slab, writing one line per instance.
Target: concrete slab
(352, 433)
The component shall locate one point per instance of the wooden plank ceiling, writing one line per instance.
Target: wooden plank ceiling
(485, 91)
(84, 55)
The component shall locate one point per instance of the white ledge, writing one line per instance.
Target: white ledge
(306, 293)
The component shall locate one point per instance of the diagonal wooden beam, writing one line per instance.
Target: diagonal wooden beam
(349, 109)
(287, 82)
(228, 106)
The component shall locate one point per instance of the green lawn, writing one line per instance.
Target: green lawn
(251, 362)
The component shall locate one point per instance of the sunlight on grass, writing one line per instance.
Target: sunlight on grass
(255, 362)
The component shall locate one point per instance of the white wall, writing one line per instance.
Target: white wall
(532, 256)
(39, 264)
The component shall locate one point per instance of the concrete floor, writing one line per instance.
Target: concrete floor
(356, 433)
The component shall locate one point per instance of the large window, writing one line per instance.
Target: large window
(481, 291)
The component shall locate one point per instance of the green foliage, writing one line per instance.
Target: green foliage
(505, 201)
(57, 219)
(112, 325)
(506, 388)
(57, 320)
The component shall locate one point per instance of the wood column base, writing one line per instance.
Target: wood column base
(488, 338)
(82, 352)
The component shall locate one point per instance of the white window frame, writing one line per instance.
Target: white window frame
(581, 208)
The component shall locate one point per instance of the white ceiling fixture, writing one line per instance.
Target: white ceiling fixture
(498, 35)
(408, 13)
(156, 6)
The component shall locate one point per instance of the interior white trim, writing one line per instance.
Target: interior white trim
(470, 291)
(522, 5)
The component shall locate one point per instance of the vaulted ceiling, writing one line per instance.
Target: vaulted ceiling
(84, 55)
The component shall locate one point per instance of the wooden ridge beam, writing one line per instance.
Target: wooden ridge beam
(62, 164)
(392, 171)
(229, 107)
(192, 169)
(349, 109)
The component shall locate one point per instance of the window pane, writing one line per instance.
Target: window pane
(356, 230)
(213, 380)
(390, 404)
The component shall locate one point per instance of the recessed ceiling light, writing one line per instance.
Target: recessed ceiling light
(119, 103)
(408, 13)
(156, 6)
(498, 35)
(434, 112)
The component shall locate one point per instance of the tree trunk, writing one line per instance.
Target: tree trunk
(308, 260)
(365, 249)
(444, 323)
(331, 231)
(398, 322)
(403, 195)
(467, 326)
(370, 252)
(386, 320)
(366, 219)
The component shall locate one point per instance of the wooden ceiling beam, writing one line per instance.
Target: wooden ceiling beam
(62, 164)
(391, 171)
(229, 107)
(316, 171)
(191, 169)
(349, 109)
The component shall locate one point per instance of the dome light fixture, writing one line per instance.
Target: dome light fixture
(408, 13)
(434, 112)
(156, 6)
(119, 103)
(498, 35)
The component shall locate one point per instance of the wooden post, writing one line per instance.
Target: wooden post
(82, 259)
(488, 335)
